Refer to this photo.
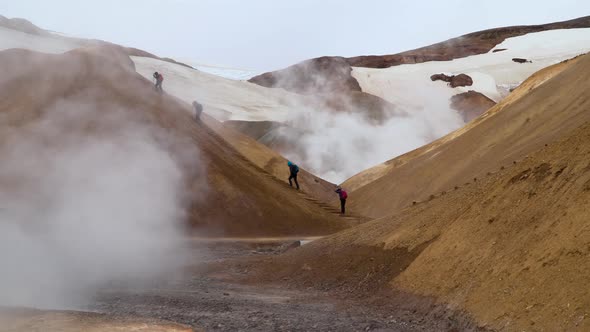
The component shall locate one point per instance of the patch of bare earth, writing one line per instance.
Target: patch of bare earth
(220, 293)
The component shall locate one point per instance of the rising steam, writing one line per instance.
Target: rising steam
(86, 202)
(336, 145)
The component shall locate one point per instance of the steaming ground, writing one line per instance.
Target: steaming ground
(338, 145)
(88, 211)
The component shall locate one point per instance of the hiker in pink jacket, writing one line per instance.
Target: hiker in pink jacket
(343, 196)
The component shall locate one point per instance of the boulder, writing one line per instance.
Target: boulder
(454, 80)
(471, 104)
(521, 60)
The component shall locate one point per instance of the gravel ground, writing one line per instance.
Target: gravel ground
(218, 304)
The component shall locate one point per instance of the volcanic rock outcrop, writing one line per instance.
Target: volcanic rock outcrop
(471, 104)
(453, 80)
(317, 76)
(521, 60)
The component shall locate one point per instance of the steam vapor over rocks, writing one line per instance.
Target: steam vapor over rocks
(315, 76)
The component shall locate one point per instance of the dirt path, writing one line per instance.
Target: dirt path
(216, 304)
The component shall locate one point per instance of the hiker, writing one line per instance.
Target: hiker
(343, 196)
(198, 110)
(293, 170)
(159, 79)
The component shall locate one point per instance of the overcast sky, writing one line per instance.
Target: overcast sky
(270, 34)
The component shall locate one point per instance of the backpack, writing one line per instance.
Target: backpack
(161, 77)
(295, 169)
(343, 194)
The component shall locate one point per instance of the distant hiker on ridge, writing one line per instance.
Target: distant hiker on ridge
(343, 196)
(198, 110)
(159, 79)
(293, 170)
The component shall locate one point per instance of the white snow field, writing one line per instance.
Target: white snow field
(493, 73)
(225, 72)
(223, 98)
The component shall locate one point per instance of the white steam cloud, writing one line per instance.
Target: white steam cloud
(337, 145)
(84, 203)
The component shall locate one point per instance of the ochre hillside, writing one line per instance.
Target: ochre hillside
(269, 160)
(229, 195)
(510, 250)
(544, 108)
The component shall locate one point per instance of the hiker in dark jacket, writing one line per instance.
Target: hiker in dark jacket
(293, 170)
(343, 196)
(198, 110)
(159, 80)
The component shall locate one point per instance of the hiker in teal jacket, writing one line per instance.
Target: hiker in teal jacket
(293, 170)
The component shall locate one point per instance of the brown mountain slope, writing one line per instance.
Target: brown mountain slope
(511, 249)
(538, 112)
(99, 85)
(314, 73)
(21, 25)
(269, 160)
(372, 174)
(336, 71)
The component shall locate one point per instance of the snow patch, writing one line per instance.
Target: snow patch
(223, 98)
(491, 72)
(225, 72)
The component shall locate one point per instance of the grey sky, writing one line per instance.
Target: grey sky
(270, 34)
